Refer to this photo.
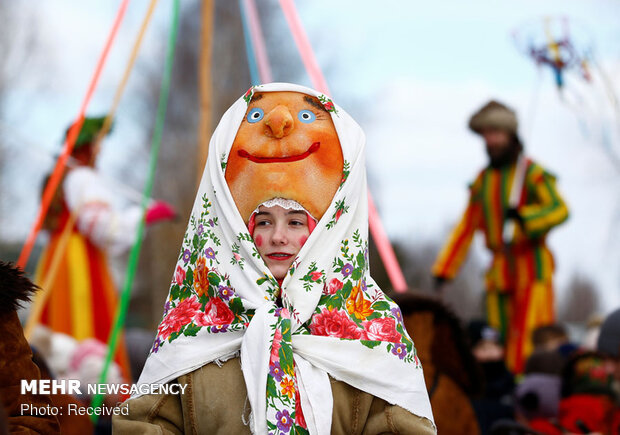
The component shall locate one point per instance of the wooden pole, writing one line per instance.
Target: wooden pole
(204, 83)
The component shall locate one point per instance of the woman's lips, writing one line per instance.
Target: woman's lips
(257, 159)
(279, 256)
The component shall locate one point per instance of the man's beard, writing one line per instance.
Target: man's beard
(507, 157)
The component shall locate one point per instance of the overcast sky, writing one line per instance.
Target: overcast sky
(412, 72)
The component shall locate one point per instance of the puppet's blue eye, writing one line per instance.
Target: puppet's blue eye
(306, 116)
(255, 115)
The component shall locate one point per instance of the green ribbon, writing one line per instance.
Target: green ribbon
(132, 265)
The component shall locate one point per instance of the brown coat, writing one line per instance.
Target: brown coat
(27, 413)
(450, 371)
(16, 364)
(215, 403)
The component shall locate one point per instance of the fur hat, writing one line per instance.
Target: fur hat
(494, 115)
(609, 337)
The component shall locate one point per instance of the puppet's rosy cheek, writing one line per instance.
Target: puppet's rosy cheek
(258, 241)
(302, 240)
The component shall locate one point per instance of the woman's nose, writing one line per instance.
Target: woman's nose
(279, 237)
(279, 122)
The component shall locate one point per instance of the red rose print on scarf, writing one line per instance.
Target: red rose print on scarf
(178, 317)
(334, 323)
(334, 286)
(179, 275)
(315, 276)
(381, 329)
(275, 347)
(216, 313)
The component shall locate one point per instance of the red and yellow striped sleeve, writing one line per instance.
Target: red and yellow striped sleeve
(455, 250)
(548, 208)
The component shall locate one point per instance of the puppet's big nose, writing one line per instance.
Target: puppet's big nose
(279, 122)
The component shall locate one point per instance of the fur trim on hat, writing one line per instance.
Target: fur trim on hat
(494, 115)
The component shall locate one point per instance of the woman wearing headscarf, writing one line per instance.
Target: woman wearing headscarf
(319, 350)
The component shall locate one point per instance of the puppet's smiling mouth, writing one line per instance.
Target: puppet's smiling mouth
(257, 159)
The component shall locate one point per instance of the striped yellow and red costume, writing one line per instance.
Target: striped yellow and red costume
(519, 280)
(82, 298)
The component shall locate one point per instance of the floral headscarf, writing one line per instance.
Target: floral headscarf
(222, 300)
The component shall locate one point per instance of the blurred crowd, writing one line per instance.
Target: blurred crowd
(566, 386)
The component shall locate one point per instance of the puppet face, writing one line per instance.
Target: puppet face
(279, 234)
(287, 147)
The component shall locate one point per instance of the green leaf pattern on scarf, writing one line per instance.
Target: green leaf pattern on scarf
(341, 209)
(346, 170)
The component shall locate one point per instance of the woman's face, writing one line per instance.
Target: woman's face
(286, 146)
(279, 234)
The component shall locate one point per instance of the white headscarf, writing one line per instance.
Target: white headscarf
(335, 320)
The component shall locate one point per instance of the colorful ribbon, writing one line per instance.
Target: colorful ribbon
(249, 47)
(258, 62)
(135, 250)
(107, 122)
(304, 47)
(258, 41)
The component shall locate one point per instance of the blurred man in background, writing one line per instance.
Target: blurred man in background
(514, 203)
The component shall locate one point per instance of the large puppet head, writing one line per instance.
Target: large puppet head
(286, 147)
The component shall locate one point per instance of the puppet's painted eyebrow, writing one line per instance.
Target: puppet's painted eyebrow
(256, 97)
(314, 103)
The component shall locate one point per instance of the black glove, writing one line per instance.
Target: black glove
(513, 213)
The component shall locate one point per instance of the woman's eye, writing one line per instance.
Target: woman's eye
(306, 116)
(255, 115)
